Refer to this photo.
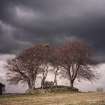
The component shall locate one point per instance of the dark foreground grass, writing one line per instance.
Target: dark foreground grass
(55, 99)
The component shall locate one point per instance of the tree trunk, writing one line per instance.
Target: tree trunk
(69, 74)
(72, 84)
(44, 78)
(55, 80)
(31, 85)
(43, 82)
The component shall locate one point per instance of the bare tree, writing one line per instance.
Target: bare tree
(19, 72)
(39, 55)
(27, 65)
(75, 59)
(55, 62)
(45, 62)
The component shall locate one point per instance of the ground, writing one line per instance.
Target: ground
(55, 99)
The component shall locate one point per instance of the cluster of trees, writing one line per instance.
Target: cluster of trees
(72, 60)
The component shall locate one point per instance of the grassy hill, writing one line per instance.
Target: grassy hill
(66, 98)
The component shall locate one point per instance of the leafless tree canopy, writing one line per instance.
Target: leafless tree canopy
(73, 59)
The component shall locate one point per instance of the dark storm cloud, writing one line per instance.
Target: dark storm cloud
(23, 22)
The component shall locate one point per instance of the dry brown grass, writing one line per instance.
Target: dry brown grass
(55, 99)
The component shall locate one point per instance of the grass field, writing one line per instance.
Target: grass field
(55, 99)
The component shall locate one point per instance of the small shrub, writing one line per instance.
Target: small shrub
(54, 89)
(99, 89)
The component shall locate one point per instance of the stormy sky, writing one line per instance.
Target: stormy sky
(25, 22)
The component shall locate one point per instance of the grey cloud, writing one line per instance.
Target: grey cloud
(8, 42)
(52, 21)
